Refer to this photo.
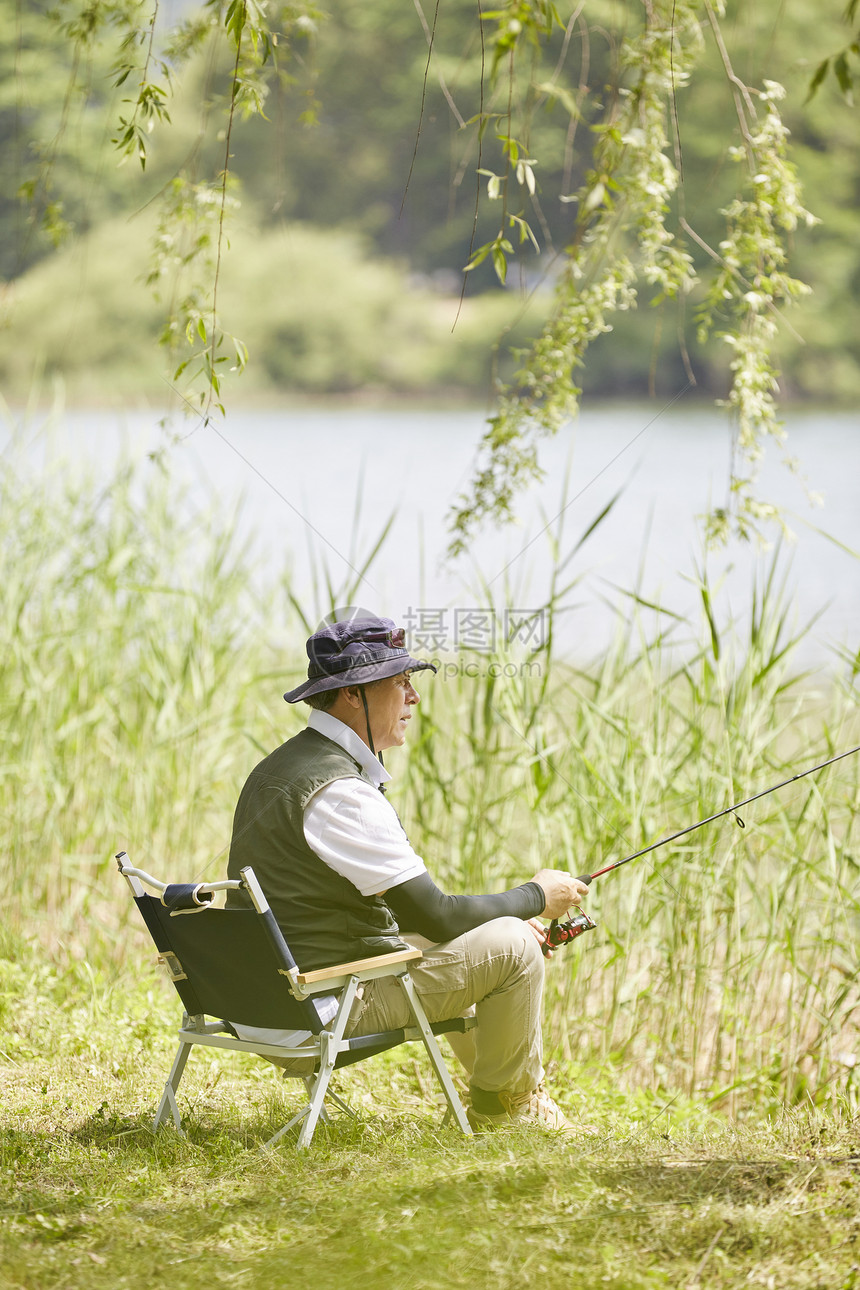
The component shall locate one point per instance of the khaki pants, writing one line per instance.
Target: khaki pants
(498, 970)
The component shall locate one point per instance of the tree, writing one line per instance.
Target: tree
(585, 99)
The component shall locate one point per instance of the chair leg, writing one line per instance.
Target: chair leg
(168, 1097)
(317, 1087)
(315, 1106)
(331, 1096)
(339, 1102)
(455, 1106)
(330, 1046)
(309, 1085)
(286, 1128)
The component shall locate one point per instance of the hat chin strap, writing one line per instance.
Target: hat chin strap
(369, 733)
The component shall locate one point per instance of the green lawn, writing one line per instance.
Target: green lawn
(666, 1194)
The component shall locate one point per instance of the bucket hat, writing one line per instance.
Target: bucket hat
(355, 653)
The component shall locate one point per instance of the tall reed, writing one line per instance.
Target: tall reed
(728, 961)
(140, 672)
(130, 643)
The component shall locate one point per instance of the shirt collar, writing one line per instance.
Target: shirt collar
(336, 730)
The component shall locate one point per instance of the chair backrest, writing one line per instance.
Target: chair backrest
(224, 964)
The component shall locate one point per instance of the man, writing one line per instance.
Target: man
(342, 878)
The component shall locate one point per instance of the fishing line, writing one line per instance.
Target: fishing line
(573, 789)
(729, 810)
(208, 424)
(562, 932)
(585, 488)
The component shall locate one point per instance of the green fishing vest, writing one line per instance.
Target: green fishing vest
(324, 918)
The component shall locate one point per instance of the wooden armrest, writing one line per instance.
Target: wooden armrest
(351, 969)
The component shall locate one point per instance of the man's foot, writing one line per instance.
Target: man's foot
(536, 1107)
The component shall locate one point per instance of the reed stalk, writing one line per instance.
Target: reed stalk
(141, 667)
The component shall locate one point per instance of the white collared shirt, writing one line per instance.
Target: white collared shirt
(350, 825)
(356, 832)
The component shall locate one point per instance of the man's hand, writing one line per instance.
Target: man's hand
(539, 931)
(561, 890)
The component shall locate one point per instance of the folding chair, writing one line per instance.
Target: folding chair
(235, 965)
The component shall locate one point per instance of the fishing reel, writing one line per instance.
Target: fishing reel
(559, 933)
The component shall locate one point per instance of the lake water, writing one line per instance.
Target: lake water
(319, 484)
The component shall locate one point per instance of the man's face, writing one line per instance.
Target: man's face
(389, 703)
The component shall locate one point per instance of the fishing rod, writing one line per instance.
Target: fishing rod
(560, 933)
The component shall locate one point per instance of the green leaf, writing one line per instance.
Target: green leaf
(494, 183)
(234, 21)
(501, 250)
(516, 221)
(564, 97)
(843, 76)
(479, 256)
(595, 198)
(526, 176)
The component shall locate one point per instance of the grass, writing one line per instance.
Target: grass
(707, 1029)
(727, 963)
(663, 1196)
(137, 677)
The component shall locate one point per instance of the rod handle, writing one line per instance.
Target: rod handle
(584, 877)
